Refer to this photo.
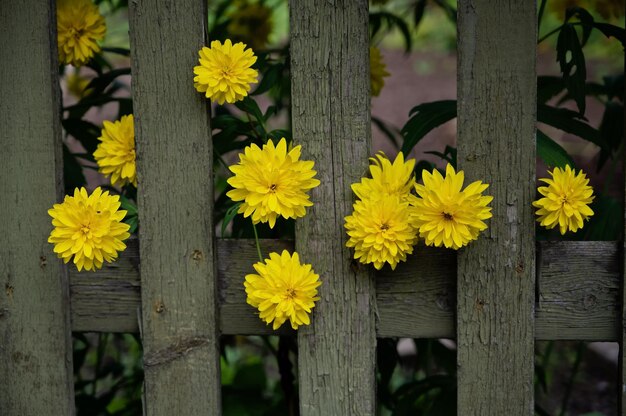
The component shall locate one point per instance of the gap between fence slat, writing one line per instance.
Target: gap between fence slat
(35, 340)
(175, 199)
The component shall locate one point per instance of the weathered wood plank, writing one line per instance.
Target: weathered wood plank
(331, 118)
(175, 176)
(622, 320)
(417, 300)
(579, 286)
(34, 297)
(496, 143)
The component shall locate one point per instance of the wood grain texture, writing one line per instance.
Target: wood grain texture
(35, 376)
(417, 300)
(496, 143)
(331, 119)
(579, 286)
(175, 199)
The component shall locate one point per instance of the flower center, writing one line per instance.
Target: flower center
(226, 72)
(447, 216)
(384, 227)
(291, 293)
(76, 33)
(273, 187)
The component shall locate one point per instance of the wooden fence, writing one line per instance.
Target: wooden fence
(496, 297)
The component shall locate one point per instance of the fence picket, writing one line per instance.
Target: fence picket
(331, 119)
(35, 339)
(622, 327)
(496, 143)
(175, 175)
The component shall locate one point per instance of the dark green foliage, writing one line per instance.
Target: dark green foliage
(552, 154)
(424, 118)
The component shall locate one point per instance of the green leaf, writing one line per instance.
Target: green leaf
(118, 51)
(129, 206)
(552, 154)
(609, 30)
(418, 11)
(450, 11)
(548, 87)
(72, 171)
(279, 134)
(572, 62)
(391, 21)
(100, 83)
(585, 18)
(228, 217)
(569, 121)
(424, 118)
(389, 131)
(611, 130)
(449, 155)
(249, 106)
(614, 86)
(270, 78)
(133, 222)
(606, 223)
(85, 132)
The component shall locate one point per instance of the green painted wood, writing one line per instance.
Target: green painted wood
(417, 300)
(496, 143)
(331, 119)
(35, 341)
(175, 198)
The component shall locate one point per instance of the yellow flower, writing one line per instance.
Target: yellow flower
(89, 228)
(447, 215)
(381, 231)
(387, 178)
(283, 289)
(378, 71)
(77, 85)
(272, 182)
(79, 26)
(566, 200)
(251, 23)
(116, 154)
(225, 72)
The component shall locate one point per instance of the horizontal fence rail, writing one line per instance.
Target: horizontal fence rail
(417, 300)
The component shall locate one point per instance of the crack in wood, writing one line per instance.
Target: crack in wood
(174, 351)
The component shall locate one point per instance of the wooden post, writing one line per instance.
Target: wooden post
(175, 176)
(622, 325)
(35, 339)
(496, 144)
(331, 119)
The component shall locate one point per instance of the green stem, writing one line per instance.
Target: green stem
(552, 32)
(256, 240)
